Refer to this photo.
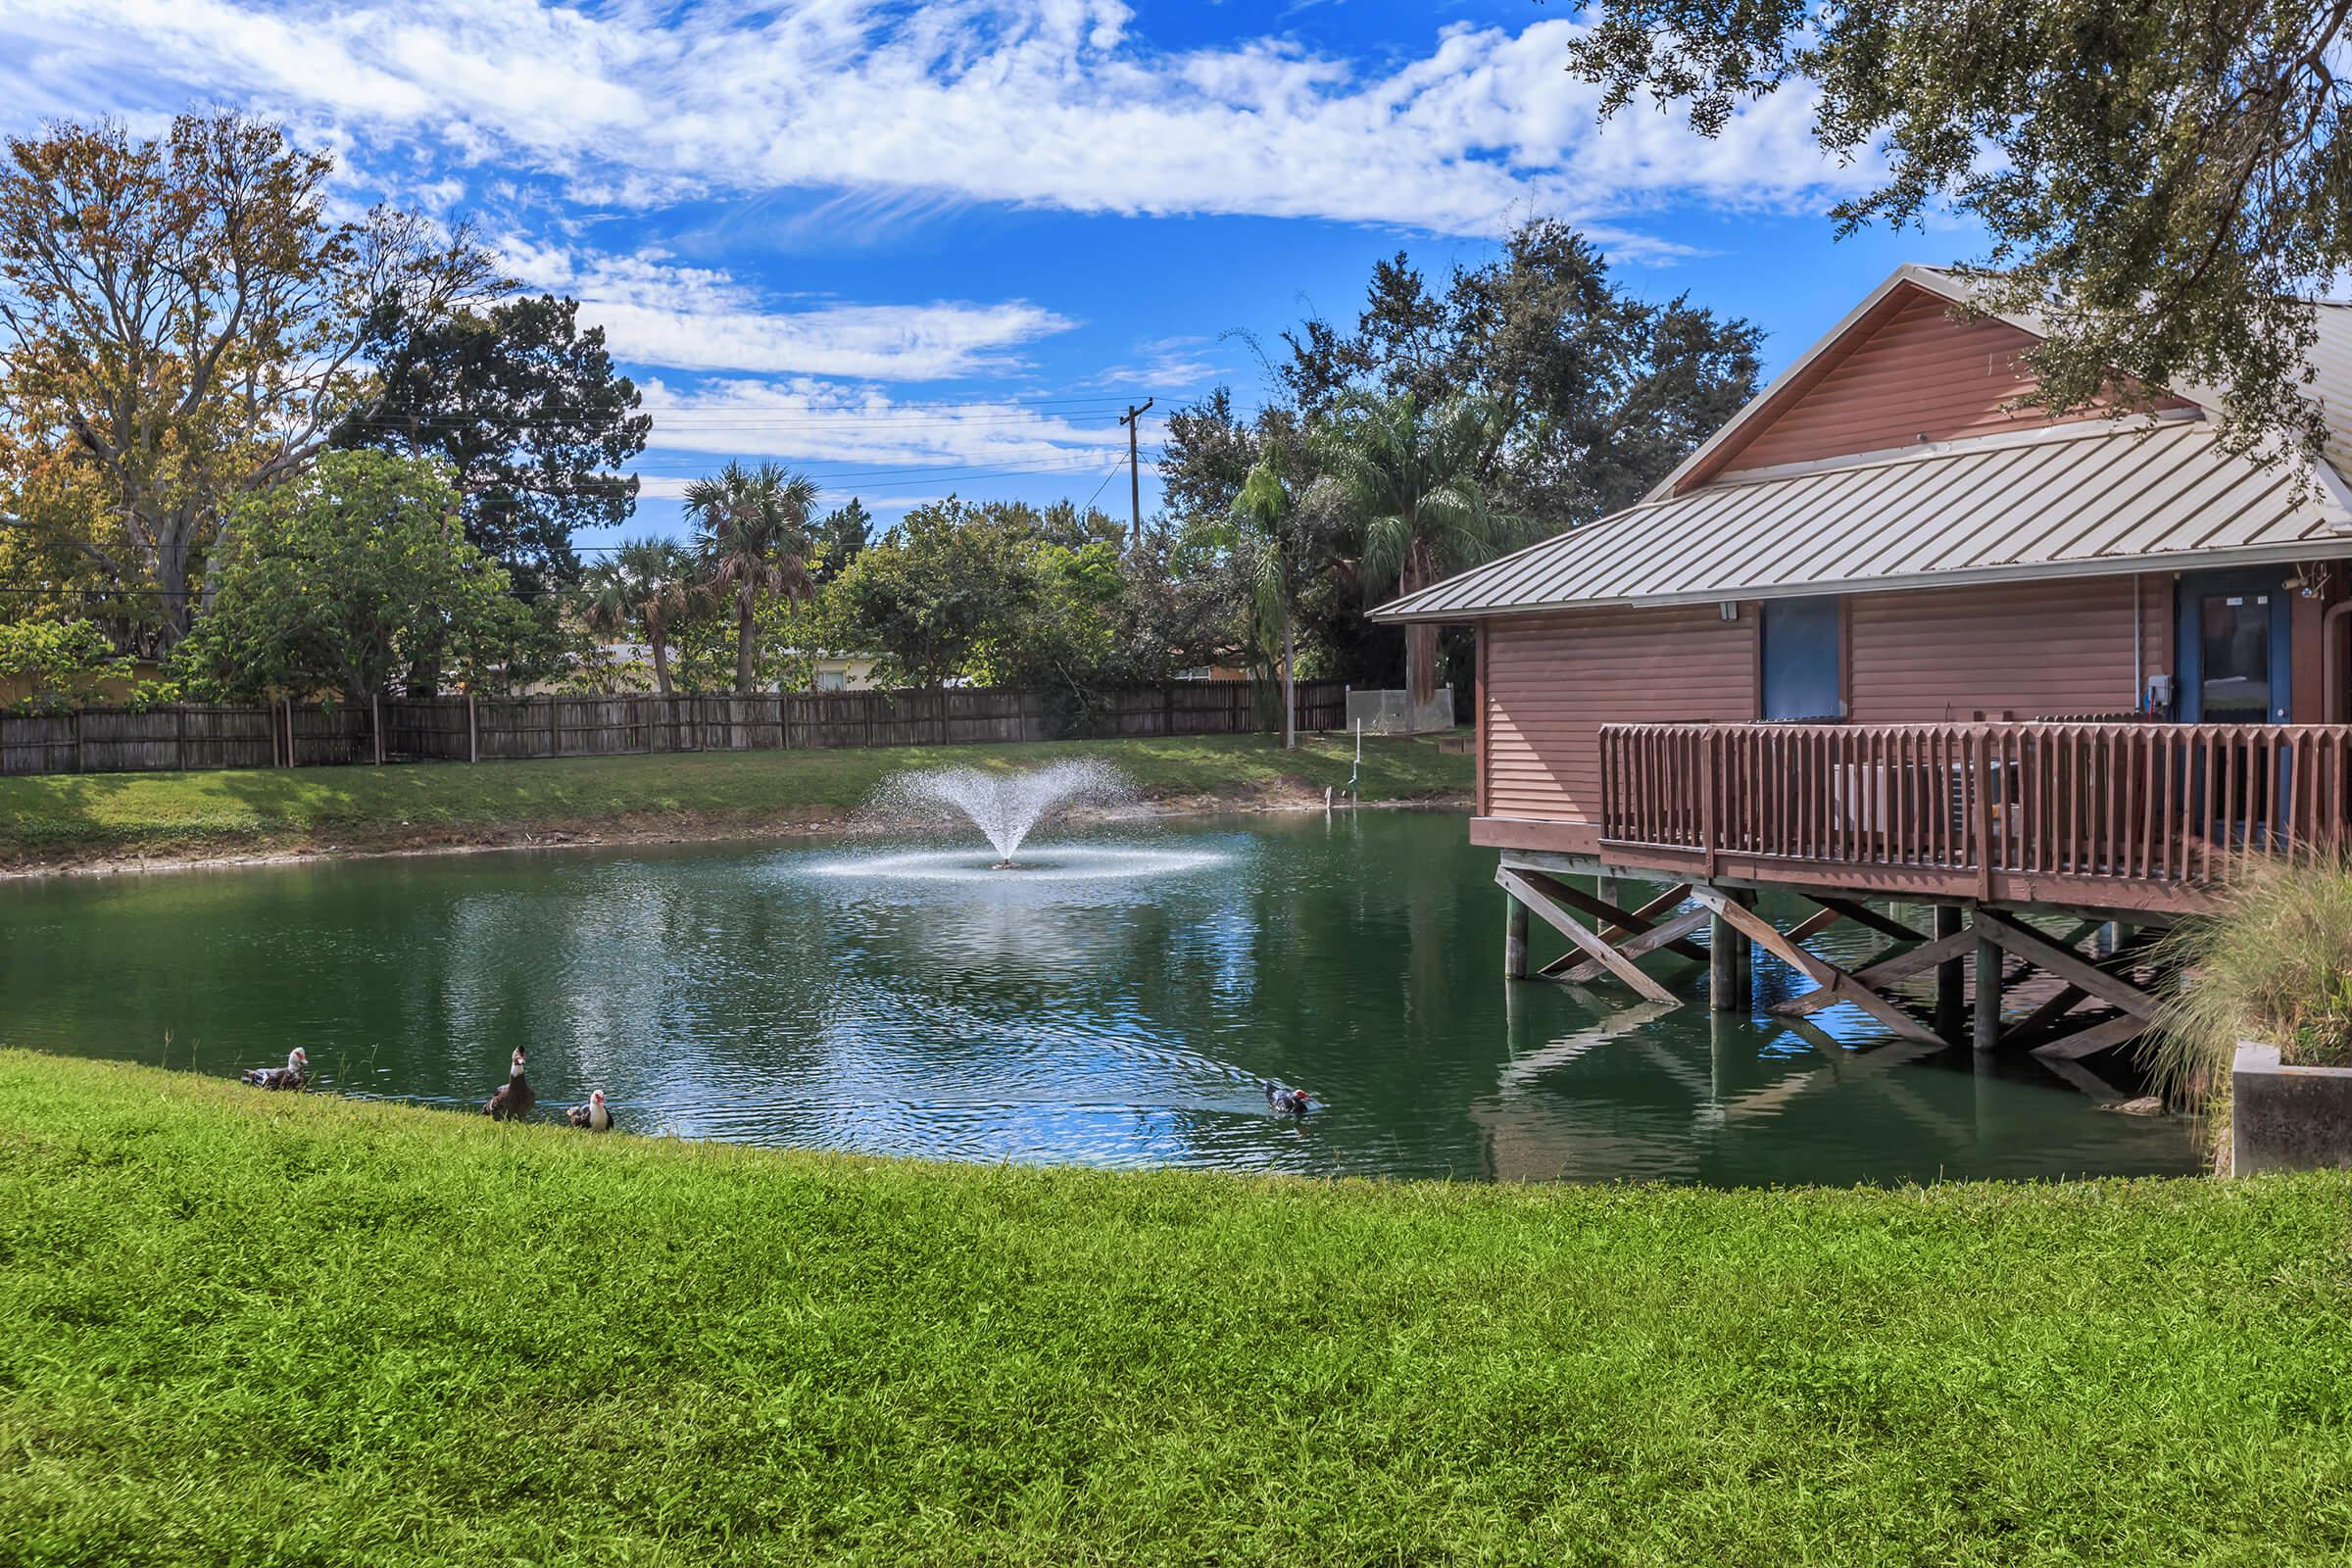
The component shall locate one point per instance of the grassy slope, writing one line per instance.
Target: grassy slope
(66, 817)
(242, 1328)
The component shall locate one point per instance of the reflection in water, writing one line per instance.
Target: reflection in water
(1122, 1005)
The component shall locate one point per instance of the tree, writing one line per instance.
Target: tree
(1177, 608)
(336, 576)
(526, 409)
(2161, 178)
(1595, 395)
(842, 535)
(646, 588)
(951, 583)
(1266, 546)
(754, 546)
(1403, 474)
(1208, 454)
(185, 311)
(66, 662)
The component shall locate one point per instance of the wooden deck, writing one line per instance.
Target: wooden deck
(2125, 816)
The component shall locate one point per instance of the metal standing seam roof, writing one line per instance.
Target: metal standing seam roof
(2331, 381)
(2090, 499)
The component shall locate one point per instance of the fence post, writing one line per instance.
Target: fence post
(179, 736)
(377, 703)
(474, 732)
(78, 765)
(555, 731)
(290, 758)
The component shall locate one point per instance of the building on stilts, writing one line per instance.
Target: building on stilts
(2013, 689)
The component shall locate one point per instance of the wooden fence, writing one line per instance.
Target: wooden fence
(107, 740)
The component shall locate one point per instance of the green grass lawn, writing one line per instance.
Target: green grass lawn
(66, 817)
(253, 1329)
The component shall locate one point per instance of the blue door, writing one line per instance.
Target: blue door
(2232, 647)
(1804, 649)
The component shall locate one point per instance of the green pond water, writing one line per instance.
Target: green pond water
(1121, 1002)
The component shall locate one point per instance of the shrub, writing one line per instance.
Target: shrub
(2274, 964)
(66, 663)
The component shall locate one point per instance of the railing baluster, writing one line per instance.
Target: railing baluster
(2072, 802)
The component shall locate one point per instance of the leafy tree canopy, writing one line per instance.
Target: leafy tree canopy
(526, 409)
(58, 663)
(2161, 178)
(841, 534)
(647, 590)
(185, 312)
(338, 579)
(754, 545)
(1593, 394)
(996, 592)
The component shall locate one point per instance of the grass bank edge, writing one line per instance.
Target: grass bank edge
(61, 820)
(301, 1329)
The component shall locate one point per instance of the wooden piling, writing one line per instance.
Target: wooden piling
(1514, 939)
(1951, 983)
(1988, 994)
(1723, 965)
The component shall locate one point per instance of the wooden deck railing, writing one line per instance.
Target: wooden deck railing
(2069, 800)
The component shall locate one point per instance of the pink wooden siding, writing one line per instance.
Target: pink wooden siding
(1918, 376)
(1552, 681)
(2019, 650)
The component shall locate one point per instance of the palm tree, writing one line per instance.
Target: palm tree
(1405, 474)
(1264, 544)
(754, 544)
(647, 587)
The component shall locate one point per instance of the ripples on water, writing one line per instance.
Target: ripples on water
(1120, 1001)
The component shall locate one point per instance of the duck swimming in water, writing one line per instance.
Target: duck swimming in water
(295, 1074)
(1286, 1102)
(593, 1115)
(513, 1101)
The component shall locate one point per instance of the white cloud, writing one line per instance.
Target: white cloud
(803, 421)
(696, 319)
(1053, 104)
(1169, 364)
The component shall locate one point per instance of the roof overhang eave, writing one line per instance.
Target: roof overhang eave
(2331, 547)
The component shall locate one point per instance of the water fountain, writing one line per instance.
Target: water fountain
(1006, 807)
(1003, 806)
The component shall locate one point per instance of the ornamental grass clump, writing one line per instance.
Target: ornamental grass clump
(2274, 964)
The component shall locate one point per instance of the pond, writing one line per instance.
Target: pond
(1108, 1008)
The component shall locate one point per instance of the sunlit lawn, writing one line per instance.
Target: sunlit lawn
(246, 1329)
(162, 814)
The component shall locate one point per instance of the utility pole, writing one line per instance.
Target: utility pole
(1135, 481)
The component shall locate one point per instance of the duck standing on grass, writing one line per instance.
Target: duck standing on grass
(514, 1102)
(593, 1115)
(1286, 1102)
(295, 1074)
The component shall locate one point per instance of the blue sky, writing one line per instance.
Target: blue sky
(922, 250)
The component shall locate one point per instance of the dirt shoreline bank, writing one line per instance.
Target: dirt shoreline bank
(104, 861)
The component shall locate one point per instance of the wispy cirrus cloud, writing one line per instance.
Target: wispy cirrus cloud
(1057, 104)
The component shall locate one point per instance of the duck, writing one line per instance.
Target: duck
(295, 1074)
(1286, 1102)
(513, 1101)
(593, 1115)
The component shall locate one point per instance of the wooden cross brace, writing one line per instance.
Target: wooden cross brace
(1844, 986)
(2082, 977)
(1541, 903)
